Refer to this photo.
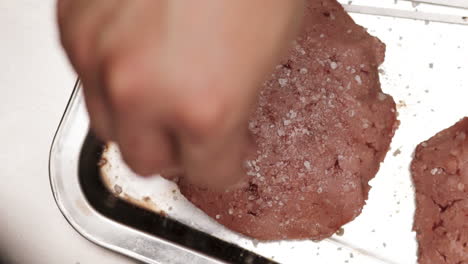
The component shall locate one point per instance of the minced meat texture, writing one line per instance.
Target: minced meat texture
(440, 175)
(322, 126)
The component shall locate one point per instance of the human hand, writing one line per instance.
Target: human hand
(173, 82)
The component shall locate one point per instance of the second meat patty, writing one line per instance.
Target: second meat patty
(440, 174)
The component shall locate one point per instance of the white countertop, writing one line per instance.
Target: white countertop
(35, 83)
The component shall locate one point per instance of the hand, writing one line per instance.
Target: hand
(173, 82)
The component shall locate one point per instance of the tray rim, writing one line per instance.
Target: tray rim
(94, 225)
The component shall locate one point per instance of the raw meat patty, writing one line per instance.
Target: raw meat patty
(322, 127)
(440, 174)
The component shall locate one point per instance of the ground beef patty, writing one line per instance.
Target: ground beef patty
(440, 174)
(322, 127)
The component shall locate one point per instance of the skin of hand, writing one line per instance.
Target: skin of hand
(173, 82)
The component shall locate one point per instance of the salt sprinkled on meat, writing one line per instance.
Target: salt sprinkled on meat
(381, 96)
(283, 82)
(358, 79)
(314, 157)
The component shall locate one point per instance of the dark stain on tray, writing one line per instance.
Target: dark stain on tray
(158, 225)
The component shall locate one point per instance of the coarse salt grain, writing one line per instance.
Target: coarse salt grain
(461, 136)
(307, 165)
(346, 188)
(281, 132)
(434, 171)
(230, 211)
(218, 216)
(319, 190)
(251, 173)
(283, 82)
(292, 114)
(333, 65)
(382, 96)
(358, 79)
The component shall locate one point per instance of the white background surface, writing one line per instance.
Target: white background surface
(35, 83)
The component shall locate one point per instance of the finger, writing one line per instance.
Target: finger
(75, 20)
(146, 149)
(215, 162)
(82, 23)
(98, 109)
(140, 129)
(63, 7)
(172, 174)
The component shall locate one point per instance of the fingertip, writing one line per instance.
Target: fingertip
(101, 123)
(62, 7)
(217, 166)
(137, 161)
(101, 133)
(146, 151)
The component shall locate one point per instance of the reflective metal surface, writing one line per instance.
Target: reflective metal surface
(64, 168)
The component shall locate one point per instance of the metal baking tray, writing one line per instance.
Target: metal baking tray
(116, 224)
(426, 71)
